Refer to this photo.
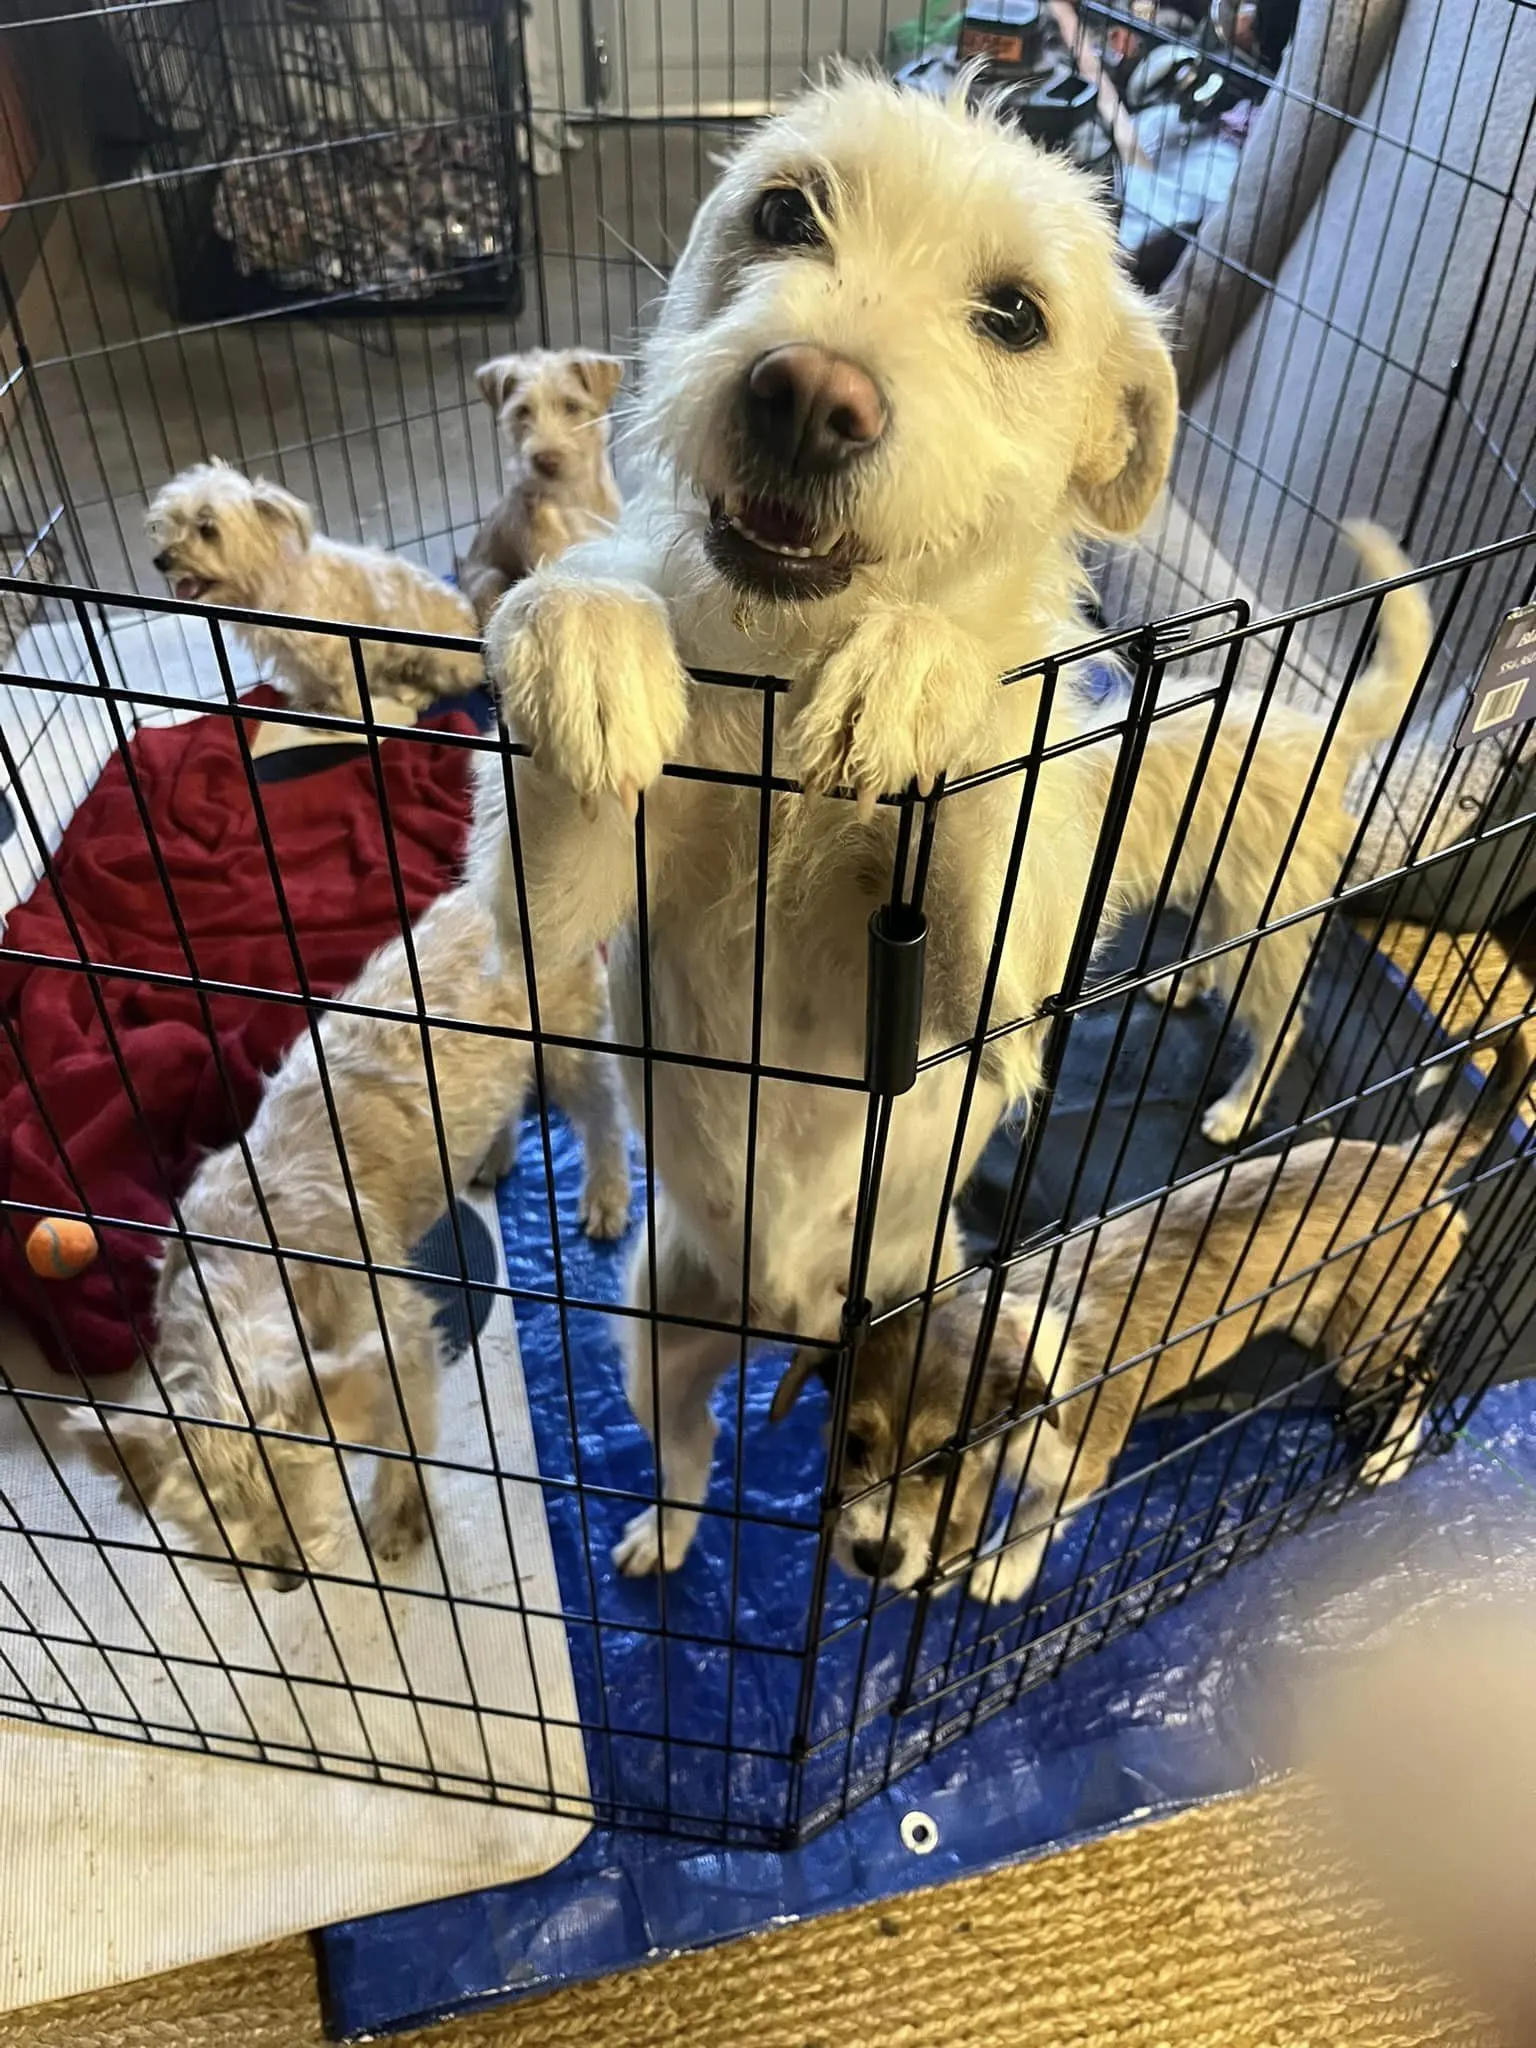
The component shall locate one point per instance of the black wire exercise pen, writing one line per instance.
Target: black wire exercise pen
(760, 1695)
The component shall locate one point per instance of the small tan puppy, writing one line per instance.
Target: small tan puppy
(228, 539)
(226, 1346)
(551, 406)
(1076, 1354)
(1238, 872)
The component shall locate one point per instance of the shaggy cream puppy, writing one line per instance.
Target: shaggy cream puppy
(1264, 775)
(1330, 1242)
(899, 374)
(551, 407)
(226, 1346)
(228, 539)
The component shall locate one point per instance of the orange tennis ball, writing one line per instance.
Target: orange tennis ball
(59, 1247)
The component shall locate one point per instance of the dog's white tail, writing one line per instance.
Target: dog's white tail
(1374, 708)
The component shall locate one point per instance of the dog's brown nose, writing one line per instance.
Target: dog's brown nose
(547, 462)
(812, 410)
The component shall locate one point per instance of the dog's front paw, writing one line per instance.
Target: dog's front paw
(653, 1543)
(401, 1527)
(1001, 1577)
(901, 699)
(589, 678)
(1227, 1120)
(605, 1205)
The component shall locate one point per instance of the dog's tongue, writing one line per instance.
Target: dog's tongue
(777, 524)
(187, 587)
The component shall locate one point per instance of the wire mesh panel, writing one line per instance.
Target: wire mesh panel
(294, 1602)
(331, 1458)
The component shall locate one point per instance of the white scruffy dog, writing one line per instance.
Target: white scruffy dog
(898, 377)
(224, 538)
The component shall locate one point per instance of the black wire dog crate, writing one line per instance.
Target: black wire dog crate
(1356, 337)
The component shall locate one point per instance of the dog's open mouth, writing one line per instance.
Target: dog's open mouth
(769, 548)
(188, 589)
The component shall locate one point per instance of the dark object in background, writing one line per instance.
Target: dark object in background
(322, 160)
(1022, 52)
(1158, 257)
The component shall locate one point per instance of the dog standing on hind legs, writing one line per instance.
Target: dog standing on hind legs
(898, 378)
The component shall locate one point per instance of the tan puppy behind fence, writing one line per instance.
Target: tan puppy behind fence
(1330, 1242)
(551, 408)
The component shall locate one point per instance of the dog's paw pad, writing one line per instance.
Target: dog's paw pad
(589, 674)
(605, 1212)
(1001, 1578)
(1384, 1467)
(649, 1545)
(1225, 1122)
(638, 1551)
(402, 1533)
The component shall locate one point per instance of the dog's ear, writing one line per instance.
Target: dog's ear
(497, 379)
(601, 374)
(809, 1362)
(1128, 445)
(283, 509)
(136, 1450)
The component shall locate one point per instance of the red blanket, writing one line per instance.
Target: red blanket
(129, 1147)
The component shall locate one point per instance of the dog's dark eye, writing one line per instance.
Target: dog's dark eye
(207, 529)
(855, 1449)
(785, 217)
(571, 407)
(1010, 317)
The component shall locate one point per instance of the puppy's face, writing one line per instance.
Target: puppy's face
(551, 406)
(899, 1461)
(269, 1505)
(223, 538)
(899, 334)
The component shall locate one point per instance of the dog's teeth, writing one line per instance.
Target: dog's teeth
(778, 547)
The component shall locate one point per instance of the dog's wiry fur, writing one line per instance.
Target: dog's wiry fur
(1233, 860)
(1075, 1354)
(946, 554)
(551, 408)
(229, 539)
(220, 1489)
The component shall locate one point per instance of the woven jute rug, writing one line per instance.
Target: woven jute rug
(1227, 1927)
